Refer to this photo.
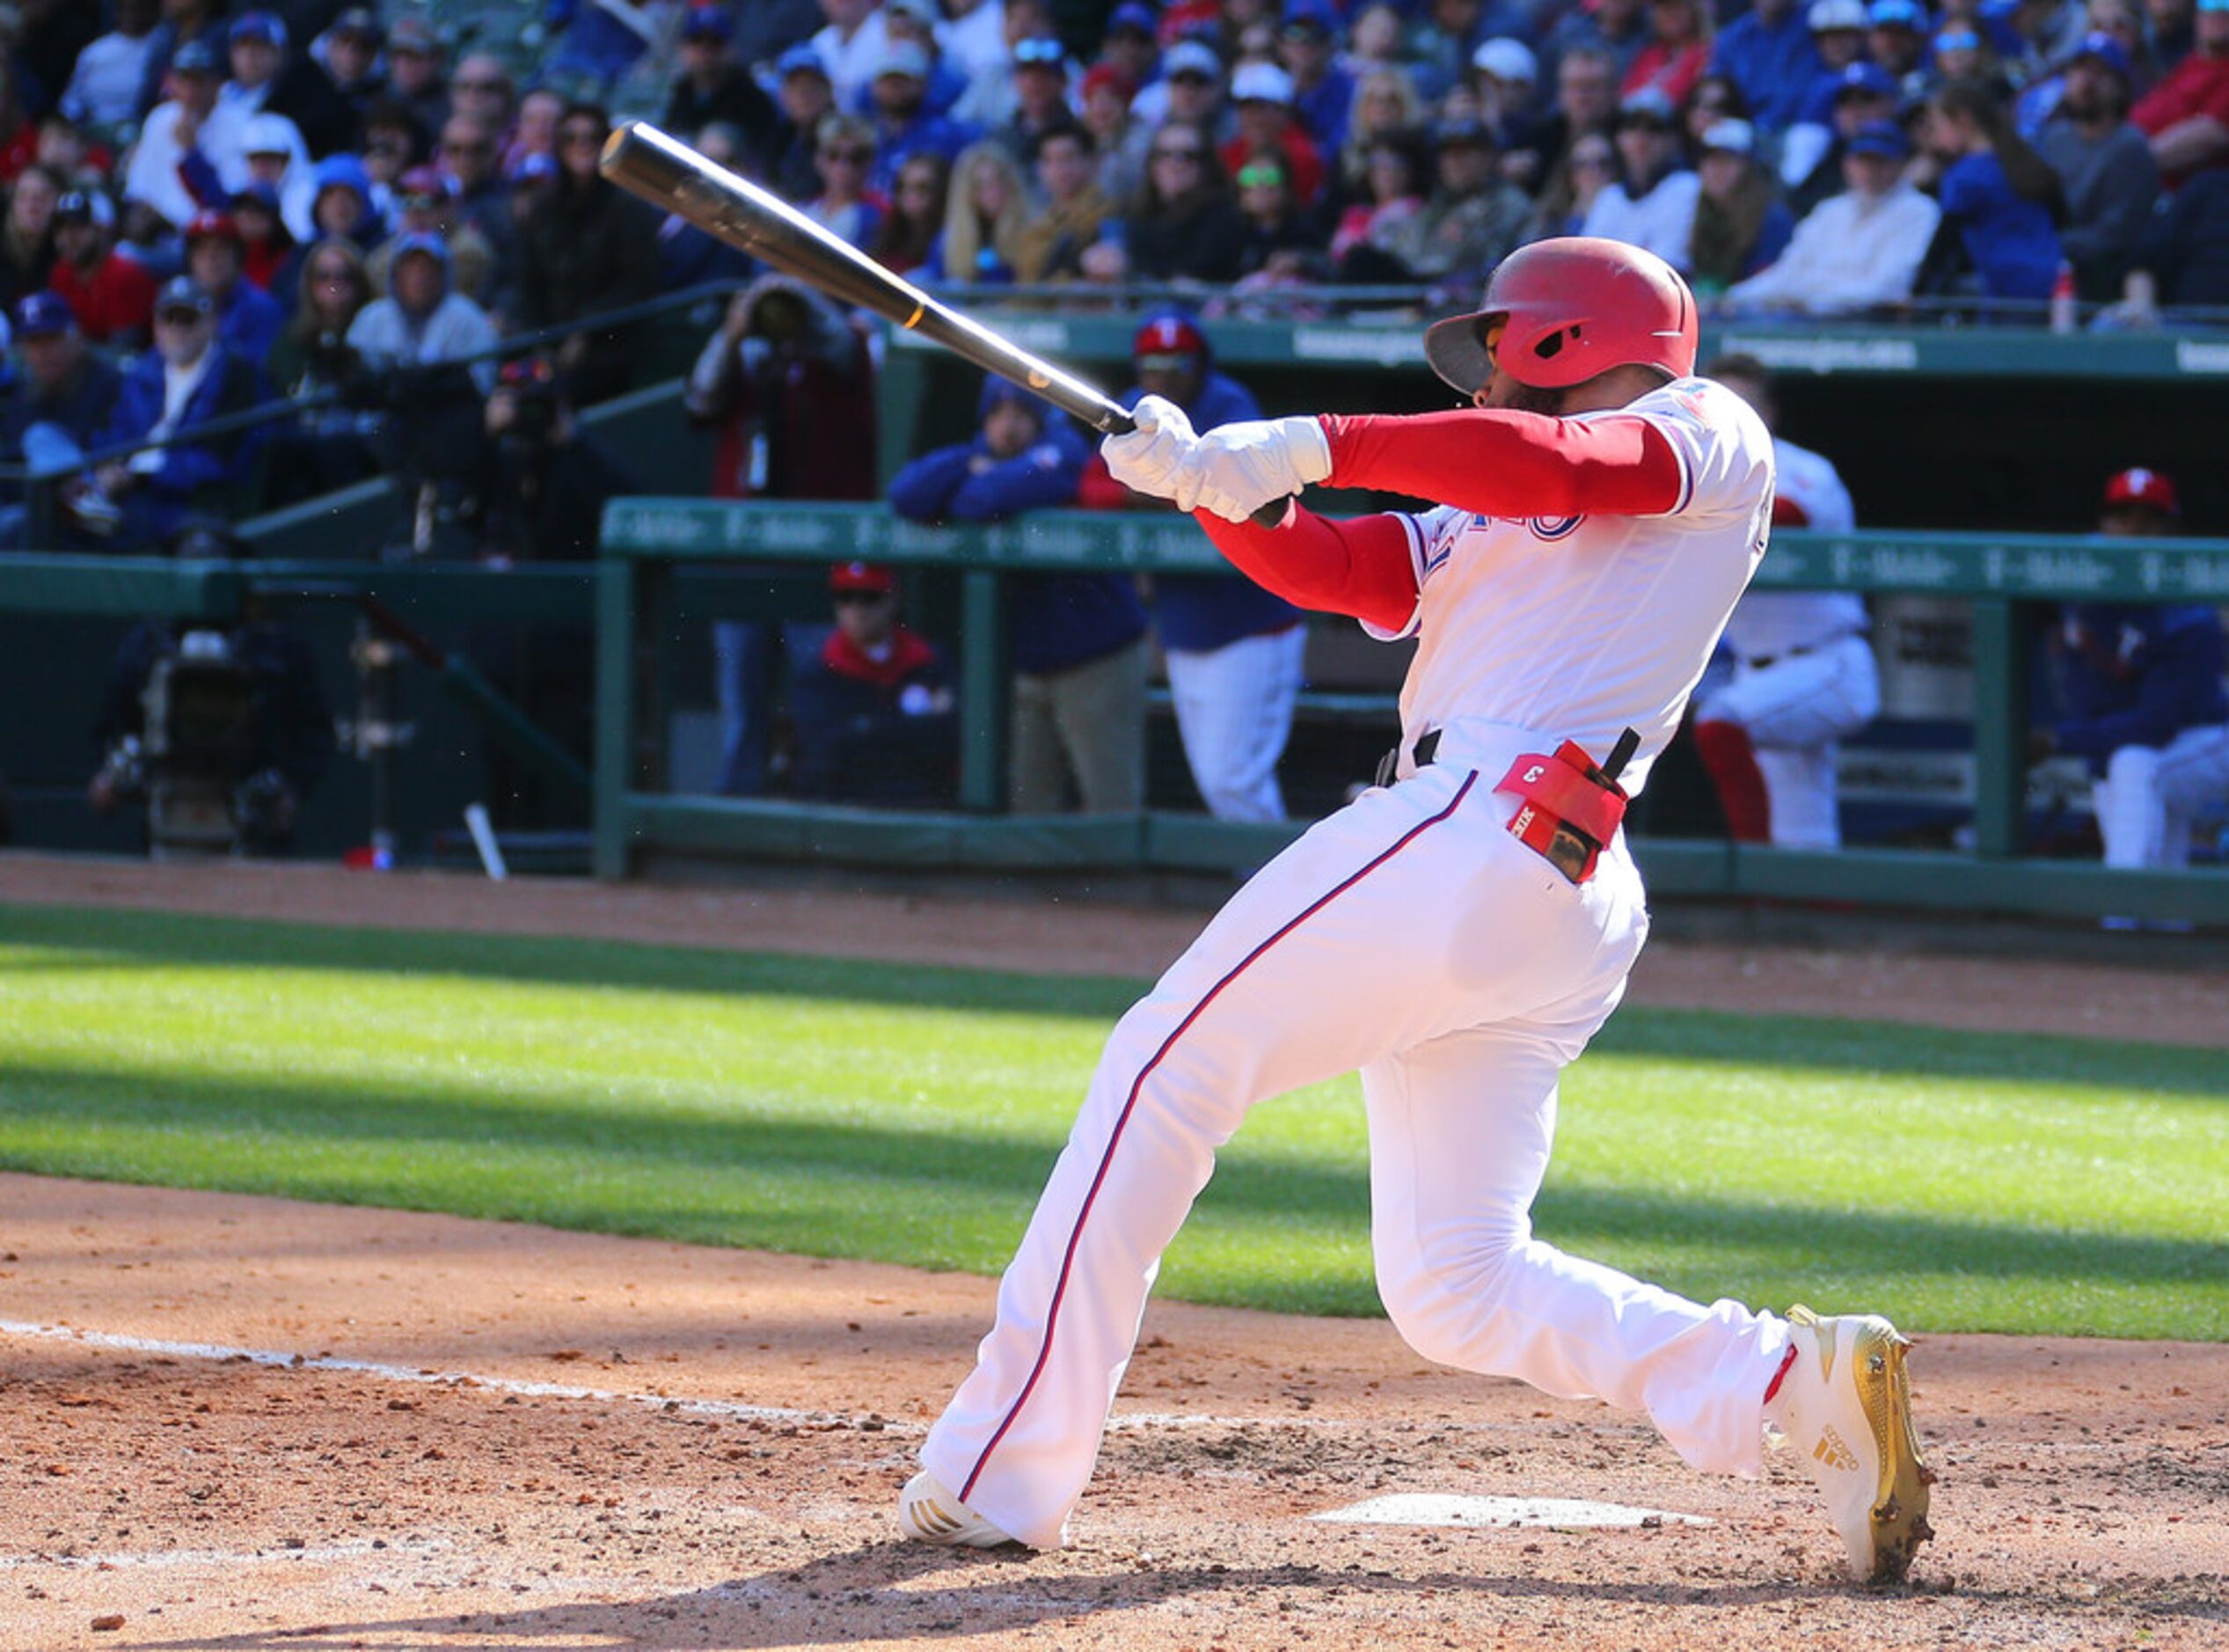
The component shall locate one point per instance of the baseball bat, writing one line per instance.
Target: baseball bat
(667, 172)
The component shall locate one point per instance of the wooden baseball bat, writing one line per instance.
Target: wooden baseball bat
(667, 172)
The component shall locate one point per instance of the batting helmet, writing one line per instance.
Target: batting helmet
(1572, 306)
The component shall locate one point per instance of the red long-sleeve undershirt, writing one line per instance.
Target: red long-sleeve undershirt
(1492, 462)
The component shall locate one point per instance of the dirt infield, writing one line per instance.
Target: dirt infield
(235, 1422)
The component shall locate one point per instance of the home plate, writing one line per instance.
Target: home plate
(1425, 1508)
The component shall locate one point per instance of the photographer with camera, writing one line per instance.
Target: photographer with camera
(220, 730)
(789, 381)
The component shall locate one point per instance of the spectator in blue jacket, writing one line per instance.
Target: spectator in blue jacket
(1234, 651)
(1768, 52)
(248, 318)
(1077, 639)
(903, 124)
(187, 380)
(2001, 197)
(2141, 699)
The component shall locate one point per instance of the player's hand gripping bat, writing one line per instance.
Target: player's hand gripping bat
(667, 172)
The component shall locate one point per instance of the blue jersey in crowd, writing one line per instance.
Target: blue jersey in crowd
(2010, 239)
(1775, 64)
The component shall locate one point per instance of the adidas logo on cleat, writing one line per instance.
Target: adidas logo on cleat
(1834, 1452)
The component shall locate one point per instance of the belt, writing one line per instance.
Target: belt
(1427, 747)
(1570, 807)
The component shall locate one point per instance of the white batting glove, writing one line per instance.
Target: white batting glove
(1148, 457)
(1236, 469)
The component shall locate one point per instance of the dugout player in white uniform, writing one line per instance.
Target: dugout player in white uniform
(1459, 931)
(1804, 676)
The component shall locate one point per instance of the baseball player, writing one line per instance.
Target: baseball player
(1461, 928)
(1235, 653)
(2140, 687)
(1803, 676)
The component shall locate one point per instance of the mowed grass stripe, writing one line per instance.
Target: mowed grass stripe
(909, 1115)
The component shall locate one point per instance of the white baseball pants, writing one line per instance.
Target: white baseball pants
(1795, 710)
(2152, 795)
(1407, 935)
(1234, 713)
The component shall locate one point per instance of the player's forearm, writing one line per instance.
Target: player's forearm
(1362, 568)
(1501, 463)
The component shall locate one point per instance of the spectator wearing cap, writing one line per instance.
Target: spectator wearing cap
(1040, 103)
(587, 246)
(1740, 224)
(173, 134)
(1131, 46)
(427, 206)
(1074, 214)
(188, 380)
(1263, 95)
(28, 234)
(805, 98)
(2140, 695)
(111, 296)
(184, 23)
(299, 87)
(851, 47)
(1183, 222)
(103, 89)
(1190, 90)
(1233, 651)
(986, 211)
(2000, 196)
(72, 152)
(1770, 54)
(714, 86)
(349, 50)
(423, 321)
(2186, 115)
(1504, 74)
(418, 70)
(1858, 96)
(1897, 39)
(247, 319)
(1078, 640)
(1619, 27)
(903, 127)
(918, 22)
(2105, 168)
(1323, 90)
(873, 717)
(270, 150)
(1471, 221)
(1677, 51)
(1652, 203)
(1856, 251)
(256, 49)
(64, 398)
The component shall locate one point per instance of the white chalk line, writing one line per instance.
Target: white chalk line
(218, 1353)
(154, 1559)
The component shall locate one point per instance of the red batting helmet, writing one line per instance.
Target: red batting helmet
(1574, 306)
(2140, 486)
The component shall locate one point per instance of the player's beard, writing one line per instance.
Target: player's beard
(1527, 399)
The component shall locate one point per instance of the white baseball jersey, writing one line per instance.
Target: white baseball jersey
(1582, 626)
(1769, 624)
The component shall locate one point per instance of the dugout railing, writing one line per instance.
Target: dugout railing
(654, 549)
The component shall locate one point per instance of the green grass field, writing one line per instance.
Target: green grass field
(1957, 1182)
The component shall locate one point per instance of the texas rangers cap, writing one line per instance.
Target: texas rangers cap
(1729, 136)
(1881, 137)
(423, 241)
(265, 134)
(415, 34)
(1192, 57)
(2143, 488)
(257, 26)
(207, 223)
(196, 56)
(1168, 340)
(704, 22)
(361, 21)
(907, 58)
(2106, 50)
(42, 315)
(183, 292)
(1133, 17)
(1865, 80)
(871, 577)
(76, 207)
(801, 60)
(1647, 104)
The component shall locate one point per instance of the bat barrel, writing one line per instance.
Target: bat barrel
(667, 172)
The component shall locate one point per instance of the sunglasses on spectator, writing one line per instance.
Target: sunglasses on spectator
(1590, 158)
(1260, 177)
(849, 157)
(476, 84)
(1178, 154)
(1041, 52)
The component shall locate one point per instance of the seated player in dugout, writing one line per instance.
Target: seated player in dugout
(2140, 698)
(1460, 930)
(1803, 673)
(872, 714)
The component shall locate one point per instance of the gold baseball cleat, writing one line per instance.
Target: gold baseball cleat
(1844, 1406)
